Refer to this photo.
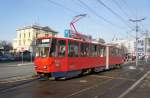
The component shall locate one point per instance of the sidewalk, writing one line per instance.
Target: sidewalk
(14, 63)
(11, 71)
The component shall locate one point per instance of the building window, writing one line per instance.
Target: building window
(142, 43)
(148, 42)
(20, 35)
(24, 35)
(148, 50)
(29, 34)
(140, 50)
(36, 35)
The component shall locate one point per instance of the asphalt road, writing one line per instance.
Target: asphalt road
(109, 84)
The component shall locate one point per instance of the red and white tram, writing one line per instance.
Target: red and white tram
(68, 57)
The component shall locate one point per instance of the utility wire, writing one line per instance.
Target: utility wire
(120, 7)
(60, 5)
(143, 27)
(85, 9)
(100, 17)
(117, 15)
(88, 8)
(131, 11)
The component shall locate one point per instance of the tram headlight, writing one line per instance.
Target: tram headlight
(45, 67)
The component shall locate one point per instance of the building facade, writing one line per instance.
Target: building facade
(127, 44)
(143, 45)
(26, 37)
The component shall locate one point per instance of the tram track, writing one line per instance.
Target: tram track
(88, 88)
(132, 83)
(9, 84)
(17, 78)
(107, 84)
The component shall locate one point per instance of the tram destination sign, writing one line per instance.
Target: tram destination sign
(45, 40)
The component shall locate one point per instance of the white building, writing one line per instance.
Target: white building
(26, 37)
(143, 45)
(128, 44)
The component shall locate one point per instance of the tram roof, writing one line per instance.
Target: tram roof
(67, 38)
(79, 40)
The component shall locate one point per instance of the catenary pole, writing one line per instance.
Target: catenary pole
(136, 39)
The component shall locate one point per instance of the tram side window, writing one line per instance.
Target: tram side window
(73, 49)
(52, 52)
(61, 48)
(119, 52)
(42, 51)
(114, 52)
(84, 49)
(102, 51)
(94, 50)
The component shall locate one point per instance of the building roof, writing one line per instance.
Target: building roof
(45, 28)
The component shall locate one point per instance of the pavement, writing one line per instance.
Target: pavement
(16, 69)
(127, 82)
(141, 90)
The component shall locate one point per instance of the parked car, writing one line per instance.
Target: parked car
(9, 57)
(3, 58)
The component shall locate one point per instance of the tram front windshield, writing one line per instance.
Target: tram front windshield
(46, 47)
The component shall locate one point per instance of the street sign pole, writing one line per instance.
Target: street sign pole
(22, 57)
(30, 54)
(31, 57)
(22, 49)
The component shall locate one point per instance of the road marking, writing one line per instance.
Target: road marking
(88, 88)
(113, 77)
(83, 81)
(96, 97)
(134, 85)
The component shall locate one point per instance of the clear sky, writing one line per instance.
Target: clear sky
(18, 13)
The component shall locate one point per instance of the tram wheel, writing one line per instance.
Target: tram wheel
(86, 71)
(118, 66)
(98, 69)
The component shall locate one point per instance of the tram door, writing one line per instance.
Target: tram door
(73, 54)
(60, 59)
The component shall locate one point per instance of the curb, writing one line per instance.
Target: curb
(25, 64)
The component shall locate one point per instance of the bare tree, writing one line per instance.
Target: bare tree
(7, 46)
